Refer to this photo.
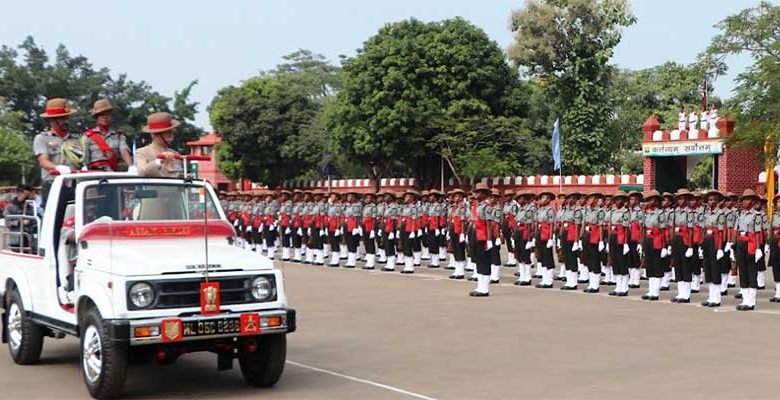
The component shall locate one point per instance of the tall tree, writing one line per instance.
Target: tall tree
(28, 77)
(258, 121)
(568, 44)
(408, 90)
(281, 112)
(756, 103)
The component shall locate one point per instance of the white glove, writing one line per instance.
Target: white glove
(419, 232)
(601, 246)
(575, 246)
(689, 252)
(606, 247)
(664, 253)
(488, 245)
(462, 238)
(132, 170)
(759, 254)
(299, 232)
(639, 249)
(529, 245)
(731, 256)
(287, 231)
(701, 254)
(579, 245)
(308, 231)
(626, 249)
(371, 235)
(669, 250)
(355, 231)
(498, 241)
(447, 236)
(391, 236)
(550, 244)
(720, 254)
(558, 243)
(437, 233)
(727, 247)
(337, 233)
(398, 234)
(235, 223)
(249, 228)
(322, 232)
(412, 235)
(512, 240)
(533, 242)
(766, 249)
(63, 169)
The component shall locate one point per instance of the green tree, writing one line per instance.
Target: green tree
(408, 90)
(281, 111)
(756, 103)
(28, 77)
(258, 121)
(567, 44)
(15, 156)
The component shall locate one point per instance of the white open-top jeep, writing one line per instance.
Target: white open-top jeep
(140, 269)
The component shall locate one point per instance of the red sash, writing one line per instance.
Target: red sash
(595, 233)
(545, 231)
(351, 223)
(245, 218)
(636, 231)
(457, 225)
(481, 229)
(571, 232)
(409, 224)
(657, 235)
(100, 141)
(620, 232)
(389, 225)
(285, 220)
(368, 223)
(716, 235)
(256, 221)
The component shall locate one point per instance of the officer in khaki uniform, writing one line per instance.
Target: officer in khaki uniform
(160, 125)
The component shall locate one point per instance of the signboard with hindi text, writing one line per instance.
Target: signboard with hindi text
(682, 148)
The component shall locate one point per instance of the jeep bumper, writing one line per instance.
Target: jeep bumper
(199, 327)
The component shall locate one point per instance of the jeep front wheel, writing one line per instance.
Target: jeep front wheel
(103, 362)
(264, 366)
(25, 338)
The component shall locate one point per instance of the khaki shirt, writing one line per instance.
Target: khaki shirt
(145, 163)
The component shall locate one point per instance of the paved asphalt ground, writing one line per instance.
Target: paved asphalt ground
(377, 335)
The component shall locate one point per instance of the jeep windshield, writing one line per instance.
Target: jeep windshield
(148, 202)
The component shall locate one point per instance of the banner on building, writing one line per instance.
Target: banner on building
(687, 148)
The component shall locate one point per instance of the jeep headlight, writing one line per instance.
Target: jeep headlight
(262, 288)
(141, 294)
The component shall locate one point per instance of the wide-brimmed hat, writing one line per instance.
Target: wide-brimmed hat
(574, 194)
(101, 106)
(509, 192)
(713, 192)
(435, 192)
(667, 195)
(683, 192)
(481, 187)
(749, 194)
(651, 195)
(635, 193)
(619, 195)
(160, 122)
(495, 192)
(56, 108)
(522, 193)
(594, 194)
(285, 191)
(412, 192)
(546, 193)
(456, 191)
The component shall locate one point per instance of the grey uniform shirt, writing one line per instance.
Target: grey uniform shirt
(66, 150)
(116, 142)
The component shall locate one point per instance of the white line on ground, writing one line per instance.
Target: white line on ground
(364, 381)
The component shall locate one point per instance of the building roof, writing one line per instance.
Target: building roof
(206, 140)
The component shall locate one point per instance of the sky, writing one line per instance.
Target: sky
(169, 43)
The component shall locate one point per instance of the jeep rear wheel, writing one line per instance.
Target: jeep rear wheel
(264, 366)
(103, 363)
(25, 338)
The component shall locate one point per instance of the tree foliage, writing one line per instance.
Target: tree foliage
(756, 103)
(412, 87)
(567, 45)
(28, 76)
(272, 125)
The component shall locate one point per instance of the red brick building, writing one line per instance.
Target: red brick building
(208, 170)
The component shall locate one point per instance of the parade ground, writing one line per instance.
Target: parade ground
(378, 335)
